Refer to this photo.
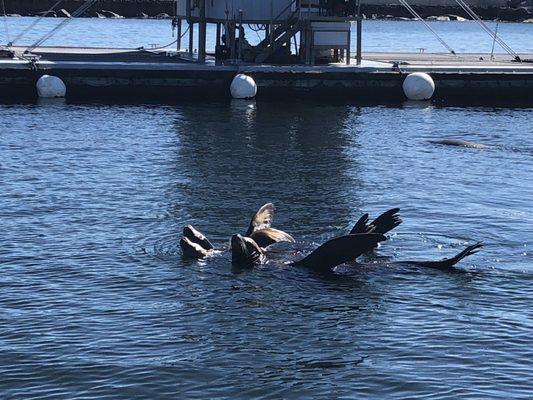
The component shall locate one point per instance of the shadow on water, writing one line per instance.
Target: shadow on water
(239, 155)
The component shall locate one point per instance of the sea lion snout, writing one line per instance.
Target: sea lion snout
(244, 251)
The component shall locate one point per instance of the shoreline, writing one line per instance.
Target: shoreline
(165, 9)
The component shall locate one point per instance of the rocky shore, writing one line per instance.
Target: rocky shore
(167, 9)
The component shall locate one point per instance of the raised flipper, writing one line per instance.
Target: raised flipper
(262, 219)
(382, 224)
(193, 250)
(266, 237)
(448, 263)
(386, 221)
(340, 250)
(360, 226)
(196, 237)
(245, 251)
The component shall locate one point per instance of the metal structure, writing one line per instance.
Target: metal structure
(319, 29)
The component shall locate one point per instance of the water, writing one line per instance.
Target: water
(377, 35)
(96, 301)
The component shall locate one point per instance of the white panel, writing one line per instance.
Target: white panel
(331, 26)
(252, 10)
(332, 39)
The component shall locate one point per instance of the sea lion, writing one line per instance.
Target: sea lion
(245, 252)
(195, 245)
(336, 251)
(460, 143)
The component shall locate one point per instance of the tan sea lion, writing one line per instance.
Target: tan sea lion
(261, 231)
(196, 245)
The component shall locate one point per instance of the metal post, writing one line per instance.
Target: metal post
(231, 39)
(359, 33)
(349, 49)
(359, 56)
(178, 42)
(271, 25)
(308, 44)
(191, 37)
(241, 36)
(219, 31)
(202, 33)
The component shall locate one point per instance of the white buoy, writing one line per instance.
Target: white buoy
(243, 87)
(418, 86)
(49, 86)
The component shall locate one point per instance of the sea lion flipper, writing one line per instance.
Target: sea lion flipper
(197, 237)
(386, 221)
(382, 224)
(447, 263)
(269, 236)
(360, 226)
(262, 219)
(340, 250)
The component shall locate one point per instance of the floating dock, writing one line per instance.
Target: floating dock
(305, 50)
(101, 73)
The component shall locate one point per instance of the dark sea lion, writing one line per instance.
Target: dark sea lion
(460, 143)
(340, 250)
(246, 253)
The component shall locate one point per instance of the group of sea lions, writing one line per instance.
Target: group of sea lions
(252, 248)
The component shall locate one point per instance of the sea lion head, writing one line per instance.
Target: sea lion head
(245, 251)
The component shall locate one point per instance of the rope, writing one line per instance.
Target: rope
(61, 25)
(418, 17)
(489, 31)
(167, 45)
(494, 41)
(5, 23)
(32, 25)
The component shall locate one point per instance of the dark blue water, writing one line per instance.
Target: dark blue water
(96, 301)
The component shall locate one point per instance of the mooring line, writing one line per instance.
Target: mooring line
(418, 17)
(32, 25)
(6, 27)
(61, 25)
